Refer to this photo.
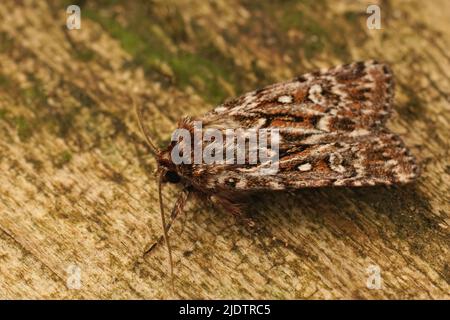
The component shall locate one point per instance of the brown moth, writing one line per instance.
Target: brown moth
(332, 133)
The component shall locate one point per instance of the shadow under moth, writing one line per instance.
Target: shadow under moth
(331, 126)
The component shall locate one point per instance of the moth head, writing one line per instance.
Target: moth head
(166, 167)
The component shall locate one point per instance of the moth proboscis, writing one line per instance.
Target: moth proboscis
(332, 133)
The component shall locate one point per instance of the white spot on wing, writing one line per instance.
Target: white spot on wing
(305, 167)
(324, 124)
(392, 163)
(285, 99)
(315, 93)
(359, 132)
(220, 109)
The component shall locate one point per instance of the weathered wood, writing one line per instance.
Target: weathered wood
(73, 188)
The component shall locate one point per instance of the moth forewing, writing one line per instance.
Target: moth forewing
(331, 126)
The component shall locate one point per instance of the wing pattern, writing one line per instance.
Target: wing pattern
(332, 132)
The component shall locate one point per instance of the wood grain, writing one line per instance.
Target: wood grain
(73, 184)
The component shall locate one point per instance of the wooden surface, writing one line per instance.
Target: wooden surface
(73, 187)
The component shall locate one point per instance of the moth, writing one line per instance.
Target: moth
(332, 132)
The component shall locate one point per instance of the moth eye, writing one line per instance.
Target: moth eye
(172, 177)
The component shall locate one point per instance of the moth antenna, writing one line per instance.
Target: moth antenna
(177, 209)
(143, 129)
(163, 221)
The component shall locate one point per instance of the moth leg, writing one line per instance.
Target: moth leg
(177, 209)
(236, 208)
(183, 223)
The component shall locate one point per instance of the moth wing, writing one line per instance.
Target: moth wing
(331, 126)
(376, 158)
(348, 97)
